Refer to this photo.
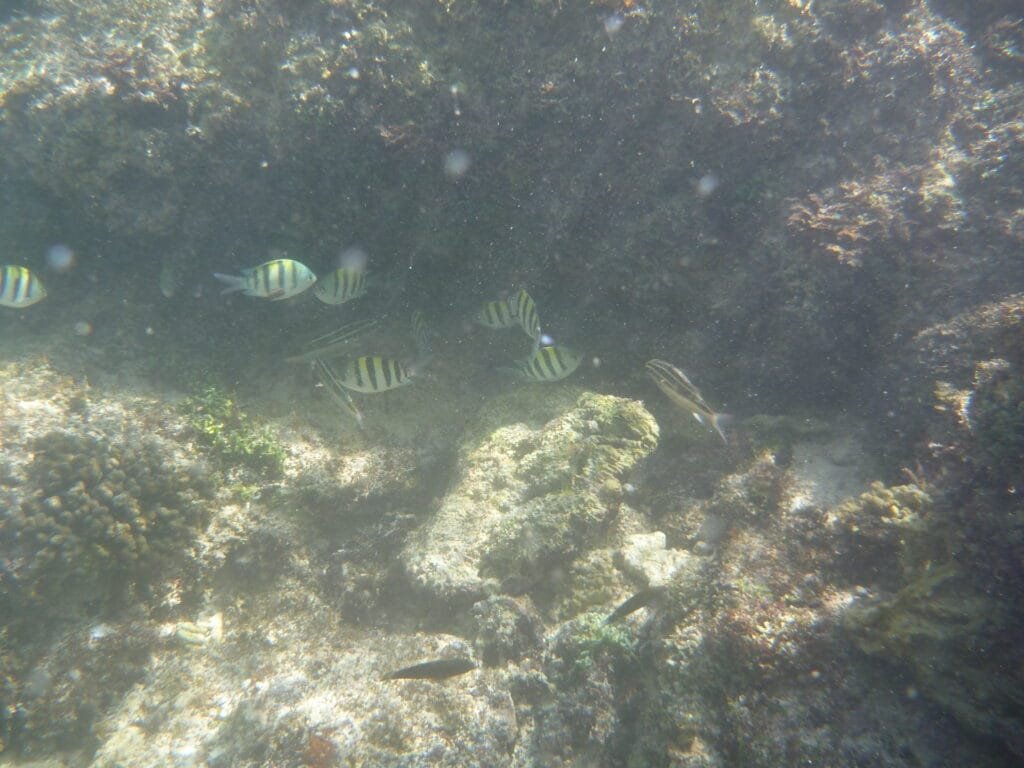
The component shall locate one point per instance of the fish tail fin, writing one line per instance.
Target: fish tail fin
(720, 421)
(233, 282)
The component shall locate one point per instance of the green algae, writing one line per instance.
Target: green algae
(230, 434)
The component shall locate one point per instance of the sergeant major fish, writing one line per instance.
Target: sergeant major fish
(372, 373)
(19, 287)
(681, 391)
(496, 314)
(275, 280)
(341, 285)
(552, 363)
(525, 310)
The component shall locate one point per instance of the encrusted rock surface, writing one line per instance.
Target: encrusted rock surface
(535, 488)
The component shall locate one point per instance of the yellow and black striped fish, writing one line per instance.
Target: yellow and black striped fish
(496, 314)
(19, 287)
(329, 378)
(372, 373)
(277, 279)
(341, 285)
(525, 311)
(549, 364)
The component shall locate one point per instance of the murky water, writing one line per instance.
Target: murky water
(595, 384)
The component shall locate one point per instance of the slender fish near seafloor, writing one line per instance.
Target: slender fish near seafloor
(681, 391)
(642, 599)
(327, 376)
(19, 287)
(327, 344)
(275, 280)
(421, 334)
(438, 669)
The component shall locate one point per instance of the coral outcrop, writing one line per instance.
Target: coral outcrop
(537, 486)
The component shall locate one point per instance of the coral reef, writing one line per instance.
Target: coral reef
(104, 510)
(96, 518)
(814, 206)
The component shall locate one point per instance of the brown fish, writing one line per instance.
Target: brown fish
(439, 669)
(681, 391)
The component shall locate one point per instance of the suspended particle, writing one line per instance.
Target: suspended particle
(60, 257)
(354, 258)
(456, 163)
(613, 23)
(707, 184)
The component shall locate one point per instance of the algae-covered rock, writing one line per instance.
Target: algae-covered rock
(530, 492)
(507, 629)
(960, 643)
(645, 557)
(880, 530)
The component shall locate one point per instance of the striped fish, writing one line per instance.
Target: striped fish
(327, 376)
(525, 311)
(277, 279)
(549, 364)
(19, 287)
(341, 285)
(680, 390)
(328, 344)
(496, 314)
(372, 373)
(421, 335)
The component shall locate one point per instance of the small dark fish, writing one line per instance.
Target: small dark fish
(641, 599)
(439, 669)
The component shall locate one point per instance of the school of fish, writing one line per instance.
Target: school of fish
(284, 278)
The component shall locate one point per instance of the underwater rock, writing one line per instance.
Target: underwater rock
(507, 629)
(644, 557)
(298, 698)
(961, 644)
(529, 494)
(745, 497)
